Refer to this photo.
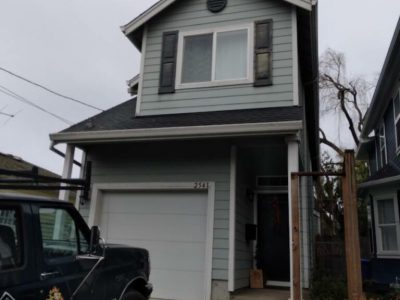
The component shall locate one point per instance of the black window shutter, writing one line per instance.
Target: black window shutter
(168, 62)
(263, 53)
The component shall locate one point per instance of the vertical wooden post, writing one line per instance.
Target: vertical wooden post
(296, 238)
(352, 243)
(67, 171)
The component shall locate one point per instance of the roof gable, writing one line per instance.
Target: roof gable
(137, 23)
(387, 80)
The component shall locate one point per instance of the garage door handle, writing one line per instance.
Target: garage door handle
(48, 275)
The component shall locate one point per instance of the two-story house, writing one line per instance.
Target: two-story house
(226, 108)
(381, 148)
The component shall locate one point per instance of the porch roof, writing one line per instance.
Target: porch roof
(387, 174)
(122, 118)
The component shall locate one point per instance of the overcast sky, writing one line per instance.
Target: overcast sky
(76, 48)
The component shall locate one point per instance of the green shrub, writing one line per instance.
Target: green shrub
(325, 286)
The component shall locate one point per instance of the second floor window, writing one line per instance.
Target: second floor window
(397, 120)
(382, 145)
(215, 57)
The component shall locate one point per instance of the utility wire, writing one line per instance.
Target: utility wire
(49, 90)
(10, 93)
(5, 114)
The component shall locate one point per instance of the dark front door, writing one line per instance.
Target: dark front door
(273, 237)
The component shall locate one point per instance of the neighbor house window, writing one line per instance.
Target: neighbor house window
(397, 120)
(215, 57)
(387, 226)
(382, 144)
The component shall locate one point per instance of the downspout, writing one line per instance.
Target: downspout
(53, 148)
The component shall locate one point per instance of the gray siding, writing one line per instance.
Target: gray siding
(173, 162)
(192, 15)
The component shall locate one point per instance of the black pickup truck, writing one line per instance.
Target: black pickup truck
(47, 252)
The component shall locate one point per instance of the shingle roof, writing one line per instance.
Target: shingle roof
(123, 117)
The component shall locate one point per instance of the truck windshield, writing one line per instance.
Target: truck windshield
(60, 235)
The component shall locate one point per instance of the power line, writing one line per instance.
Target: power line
(49, 90)
(10, 93)
(5, 114)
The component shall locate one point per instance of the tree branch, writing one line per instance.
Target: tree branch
(325, 141)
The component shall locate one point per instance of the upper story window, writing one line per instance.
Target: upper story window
(382, 144)
(397, 120)
(387, 226)
(214, 57)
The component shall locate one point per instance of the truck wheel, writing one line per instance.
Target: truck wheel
(133, 295)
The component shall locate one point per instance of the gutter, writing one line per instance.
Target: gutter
(379, 182)
(62, 154)
(175, 133)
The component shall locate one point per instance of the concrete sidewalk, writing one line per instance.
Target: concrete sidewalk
(261, 294)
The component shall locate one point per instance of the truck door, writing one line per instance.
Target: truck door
(61, 240)
(17, 256)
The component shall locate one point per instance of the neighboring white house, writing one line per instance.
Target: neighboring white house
(226, 108)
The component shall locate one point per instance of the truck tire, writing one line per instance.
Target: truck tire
(133, 295)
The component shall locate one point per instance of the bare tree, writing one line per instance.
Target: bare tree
(342, 94)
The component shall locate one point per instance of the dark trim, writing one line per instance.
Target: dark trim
(168, 58)
(373, 234)
(263, 47)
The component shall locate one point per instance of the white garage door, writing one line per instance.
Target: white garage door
(172, 226)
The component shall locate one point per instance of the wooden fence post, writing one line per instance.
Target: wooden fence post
(296, 238)
(352, 242)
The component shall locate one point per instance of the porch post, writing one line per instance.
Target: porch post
(352, 242)
(81, 174)
(293, 166)
(67, 171)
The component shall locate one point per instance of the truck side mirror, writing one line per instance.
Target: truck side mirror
(94, 238)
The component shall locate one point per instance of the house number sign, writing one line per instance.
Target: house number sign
(200, 185)
(216, 5)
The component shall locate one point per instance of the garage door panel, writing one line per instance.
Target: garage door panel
(184, 203)
(172, 226)
(157, 227)
(178, 285)
(182, 256)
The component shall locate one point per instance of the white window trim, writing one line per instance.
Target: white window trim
(380, 145)
(380, 252)
(396, 119)
(213, 82)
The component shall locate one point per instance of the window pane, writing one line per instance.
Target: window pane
(10, 239)
(386, 212)
(397, 105)
(58, 233)
(231, 56)
(197, 58)
(389, 238)
(398, 132)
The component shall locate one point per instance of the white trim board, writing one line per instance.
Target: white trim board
(143, 18)
(171, 133)
(141, 79)
(232, 220)
(295, 55)
(209, 187)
